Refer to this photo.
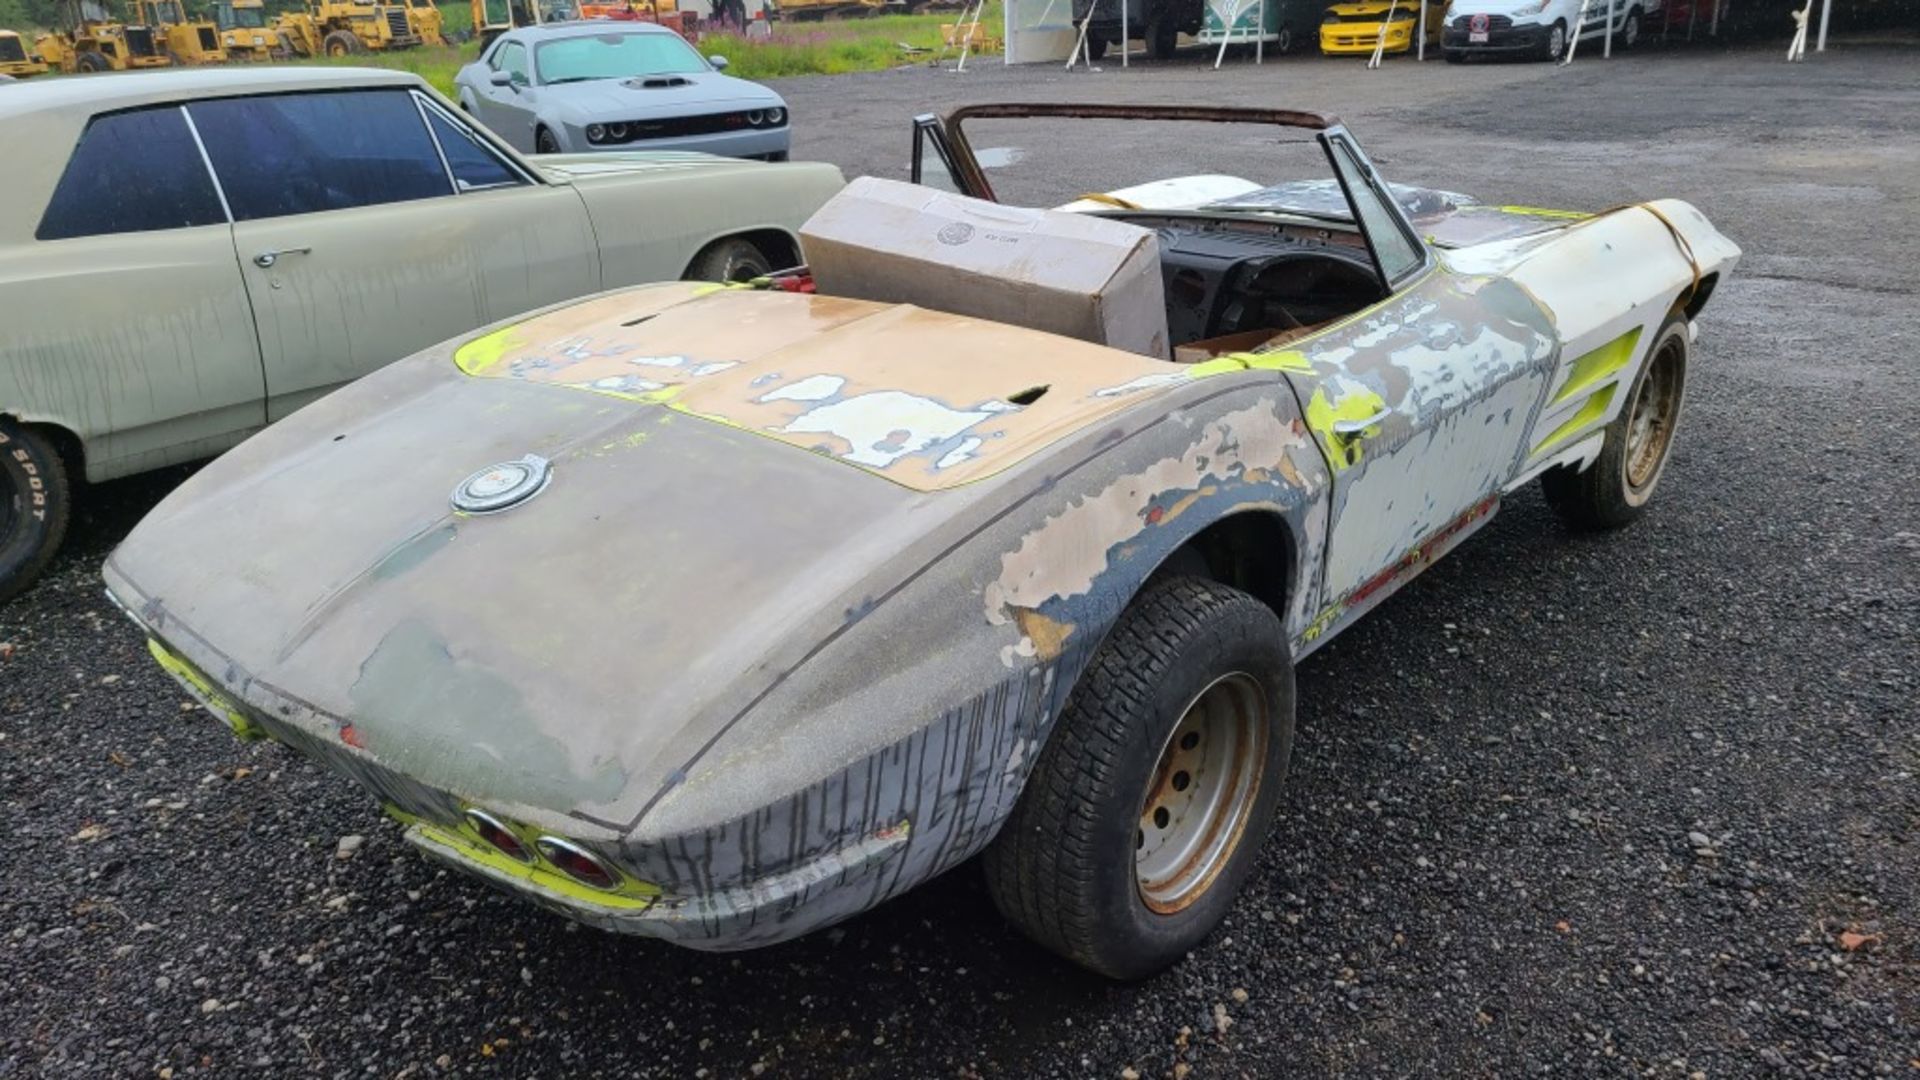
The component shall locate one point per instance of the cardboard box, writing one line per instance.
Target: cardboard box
(1073, 274)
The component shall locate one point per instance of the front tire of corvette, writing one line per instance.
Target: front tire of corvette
(1615, 489)
(35, 503)
(1145, 812)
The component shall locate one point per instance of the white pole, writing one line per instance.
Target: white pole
(1573, 40)
(1233, 12)
(1797, 48)
(1826, 9)
(1126, 42)
(1713, 26)
(1080, 44)
(1260, 32)
(1380, 45)
(1420, 52)
(1606, 42)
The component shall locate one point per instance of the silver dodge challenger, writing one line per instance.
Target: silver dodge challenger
(601, 85)
(721, 614)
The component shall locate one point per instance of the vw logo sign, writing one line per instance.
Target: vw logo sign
(958, 232)
(503, 486)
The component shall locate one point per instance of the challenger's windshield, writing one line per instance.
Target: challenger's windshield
(615, 56)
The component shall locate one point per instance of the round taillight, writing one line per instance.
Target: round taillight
(501, 838)
(577, 863)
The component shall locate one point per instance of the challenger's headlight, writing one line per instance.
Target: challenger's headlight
(596, 133)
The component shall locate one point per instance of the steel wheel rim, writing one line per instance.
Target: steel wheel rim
(1650, 423)
(1201, 793)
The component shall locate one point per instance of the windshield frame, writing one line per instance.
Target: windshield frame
(949, 140)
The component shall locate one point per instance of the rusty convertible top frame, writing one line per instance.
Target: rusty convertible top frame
(959, 152)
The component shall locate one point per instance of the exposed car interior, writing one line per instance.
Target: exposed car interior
(1253, 271)
(1244, 280)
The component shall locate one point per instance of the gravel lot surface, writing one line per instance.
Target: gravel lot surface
(1642, 804)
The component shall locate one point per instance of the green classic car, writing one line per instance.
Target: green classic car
(188, 256)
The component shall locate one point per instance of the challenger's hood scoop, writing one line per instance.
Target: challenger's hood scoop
(657, 82)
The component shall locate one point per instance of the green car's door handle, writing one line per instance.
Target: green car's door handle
(268, 258)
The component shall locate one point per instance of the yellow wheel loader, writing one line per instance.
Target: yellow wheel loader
(347, 28)
(189, 41)
(244, 32)
(15, 60)
(99, 42)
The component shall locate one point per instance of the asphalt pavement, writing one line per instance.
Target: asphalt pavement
(1640, 804)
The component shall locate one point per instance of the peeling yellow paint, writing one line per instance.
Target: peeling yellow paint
(487, 350)
(1284, 360)
(201, 688)
(1592, 411)
(1355, 403)
(1600, 364)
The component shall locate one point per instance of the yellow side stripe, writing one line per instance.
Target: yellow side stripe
(1593, 410)
(1597, 366)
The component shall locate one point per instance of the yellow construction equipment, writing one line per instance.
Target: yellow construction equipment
(491, 18)
(347, 27)
(15, 60)
(187, 41)
(99, 42)
(244, 32)
(425, 19)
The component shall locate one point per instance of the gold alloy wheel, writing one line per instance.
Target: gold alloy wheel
(1652, 415)
(1201, 793)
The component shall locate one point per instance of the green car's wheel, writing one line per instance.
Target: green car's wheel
(1145, 811)
(729, 260)
(1615, 488)
(35, 503)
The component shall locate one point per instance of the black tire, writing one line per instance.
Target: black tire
(1630, 28)
(778, 155)
(732, 259)
(1615, 489)
(342, 43)
(1163, 38)
(35, 505)
(92, 61)
(1284, 39)
(1064, 867)
(544, 142)
(1096, 47)
(1550, 51)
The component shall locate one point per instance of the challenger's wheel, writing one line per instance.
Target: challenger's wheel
(729, 260)
(1615, 488)
(544, 142)
(342, 43)
(35, 503)
(1145, 811)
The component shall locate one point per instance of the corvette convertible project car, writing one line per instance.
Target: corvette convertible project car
(721, 614)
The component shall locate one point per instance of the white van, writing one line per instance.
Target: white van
(1538, 28)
